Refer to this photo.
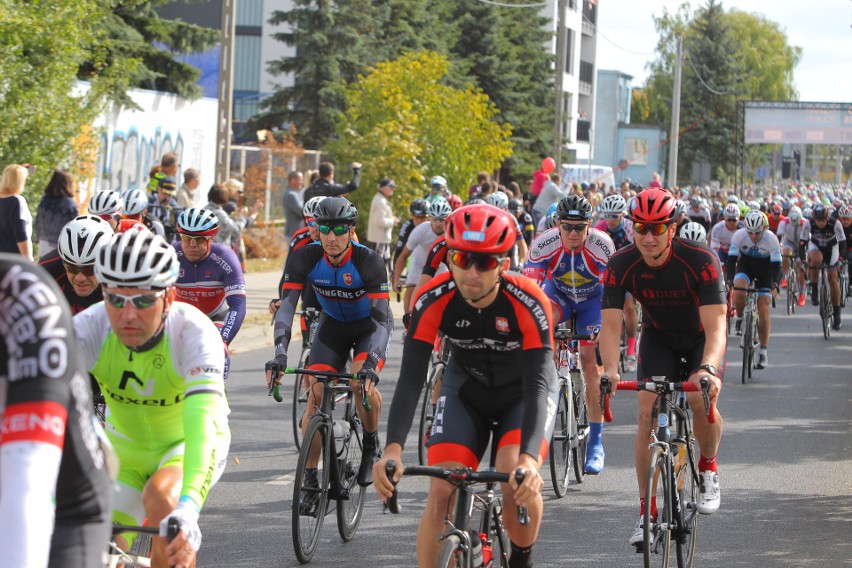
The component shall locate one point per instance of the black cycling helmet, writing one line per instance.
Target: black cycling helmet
(419, 206)
(336, 210)
(819, 212)
(515, 206)
(574, 208)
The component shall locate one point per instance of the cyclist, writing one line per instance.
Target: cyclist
(844, 213)
(72, 263)
(438, 189)
(790, 233)
(136, 207)
(350, 281)
(775, 216)
(107, 205)
(620, 230)
(826, 243)
(501, 367)
(164, 206)
(418, 209)
(525, 220)
(698, 213)
(721, 233)
(159, 364)
(680, 289)
(55, 487)
(569, 262)
(755, 256)
(417, 248)
(210, 278)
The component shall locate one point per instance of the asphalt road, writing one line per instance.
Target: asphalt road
(785, 466)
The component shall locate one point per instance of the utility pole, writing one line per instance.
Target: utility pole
(673, 136)
(224, 114)
(562, 5)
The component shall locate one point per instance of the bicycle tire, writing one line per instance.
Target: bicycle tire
(492, 526)
(306, 536)
(560, 441)
(687, 486)
(350, 511)
(426, 412)
(451, 551)
(581, 416)
(824, 307)
(755, 335)
(300, 398)
(844, 284)
(791, 292)
(657, 541)
(748, 345)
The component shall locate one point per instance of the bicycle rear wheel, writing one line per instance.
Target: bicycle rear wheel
(581, 416)
(657, 532)
(687, 486)
(300, 397)
(307, 517)
(350, 511)
(427, 413)
(560, 442)
(452, 555)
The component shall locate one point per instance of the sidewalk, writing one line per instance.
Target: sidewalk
(256, 331)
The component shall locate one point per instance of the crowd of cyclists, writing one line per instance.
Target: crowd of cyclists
(154, 311)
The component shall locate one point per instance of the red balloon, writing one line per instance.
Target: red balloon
(548, 165)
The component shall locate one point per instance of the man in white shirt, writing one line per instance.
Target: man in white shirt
(382, 220)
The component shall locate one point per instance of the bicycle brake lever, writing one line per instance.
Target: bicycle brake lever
(365, 400)
(274, 387)
(606, 391)
(392, 505)
(523, 515)
(705, 386)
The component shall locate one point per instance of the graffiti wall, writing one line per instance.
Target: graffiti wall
(132, 141)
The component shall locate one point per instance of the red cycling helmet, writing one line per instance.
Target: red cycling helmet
(652, 206)
(481, 228)
(455, 201)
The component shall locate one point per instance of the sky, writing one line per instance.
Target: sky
(822, 28)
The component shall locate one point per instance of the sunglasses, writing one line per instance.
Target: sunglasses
(74, 270)
(655, 229)
(198, 241)
(311, 223)
(139, 301)
(760, 232)
(568, 227)
(110, 216)
(612, 216)
(484, 262)
(729, 220)
(338, 230)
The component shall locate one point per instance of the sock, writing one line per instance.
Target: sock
(595, 433)
(631, 346)
(763, 350)
(707, 464)
(521, 557)
(653, 507)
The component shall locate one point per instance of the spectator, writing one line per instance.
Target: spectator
(169, 164)
(56, 208)
(294, 218)
(326, 187)
(550, 194)
(229, 229)
(514, 189)
(655, 181)
(16, 222)
(186, 193)
(476, 189)
(235, 189)
(163, 204)
(382, 220)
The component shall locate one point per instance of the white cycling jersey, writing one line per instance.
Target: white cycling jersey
(790, 234)
(766, 248)
(720, 236)
(419, 243)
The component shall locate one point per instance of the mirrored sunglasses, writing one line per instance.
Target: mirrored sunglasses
(569, 227)
(338, 230)
(198, 241)
(612, 216)
(655, 229)
(484, 262)
(74, 270)
(139, 301)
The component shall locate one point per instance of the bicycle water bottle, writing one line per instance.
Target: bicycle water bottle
(341, 428)
(475, 550)
(487, 552)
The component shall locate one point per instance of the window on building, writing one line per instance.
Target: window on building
(569, 51)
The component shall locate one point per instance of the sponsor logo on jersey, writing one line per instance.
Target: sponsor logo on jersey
(502, 324)
(347, 278)
(462, 323)
(574, 279)
(37, 421)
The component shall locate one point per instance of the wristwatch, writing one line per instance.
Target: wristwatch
(709, 368)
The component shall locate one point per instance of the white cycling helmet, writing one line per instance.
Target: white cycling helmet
(694, 232)
(754, 221)
(551, 221)
(137, 259)
(613, 205)
(106, 202)
(438, 182)
(499, 200)
(844, 211)
(310, 208)
(197, 222)
(732, 211)
(80, 239)
(794, 215)
(754, 205)
(135, 202)
(440, 209)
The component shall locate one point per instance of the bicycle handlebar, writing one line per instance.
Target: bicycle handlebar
(172, 529)
(660, 386)
(275, 391)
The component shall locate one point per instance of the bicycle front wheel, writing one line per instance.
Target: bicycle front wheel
(310, 492)
(824, 308)
(791, 293)
(452, 555)
(300, 397)
(560, 442)
(748, 346)
(492, 527)
(427, 413)
(581, 417)
(350, 508)
(657, 531)
(686, 476)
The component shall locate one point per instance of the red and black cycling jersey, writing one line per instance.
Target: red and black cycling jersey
(437, 256)
(670, 294)
(52, 262)
(404, 233)
(501, 345)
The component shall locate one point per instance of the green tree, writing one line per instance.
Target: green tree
(44, 43)
(404, 122)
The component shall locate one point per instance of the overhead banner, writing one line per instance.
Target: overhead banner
(799, 125)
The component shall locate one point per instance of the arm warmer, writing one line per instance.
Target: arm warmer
(539, 374)
(234, 317)
(412, 376)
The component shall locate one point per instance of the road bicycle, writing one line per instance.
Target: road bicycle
(571, 429)
(139, 555)
(334, 439)
(310, 324)
(440, 357)
(843, 274)
(749, 329)
(826, 310)
(459, 547)
(673, 476)
(792, 278)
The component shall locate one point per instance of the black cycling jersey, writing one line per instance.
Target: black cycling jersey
(404, 233)
(46, 403)
(52, 262)
(670, 294)
(437, 256)
(505, 345)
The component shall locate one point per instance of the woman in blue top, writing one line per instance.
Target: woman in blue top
(57, 208)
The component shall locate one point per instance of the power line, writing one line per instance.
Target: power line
(612, 42)
(706, 86)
